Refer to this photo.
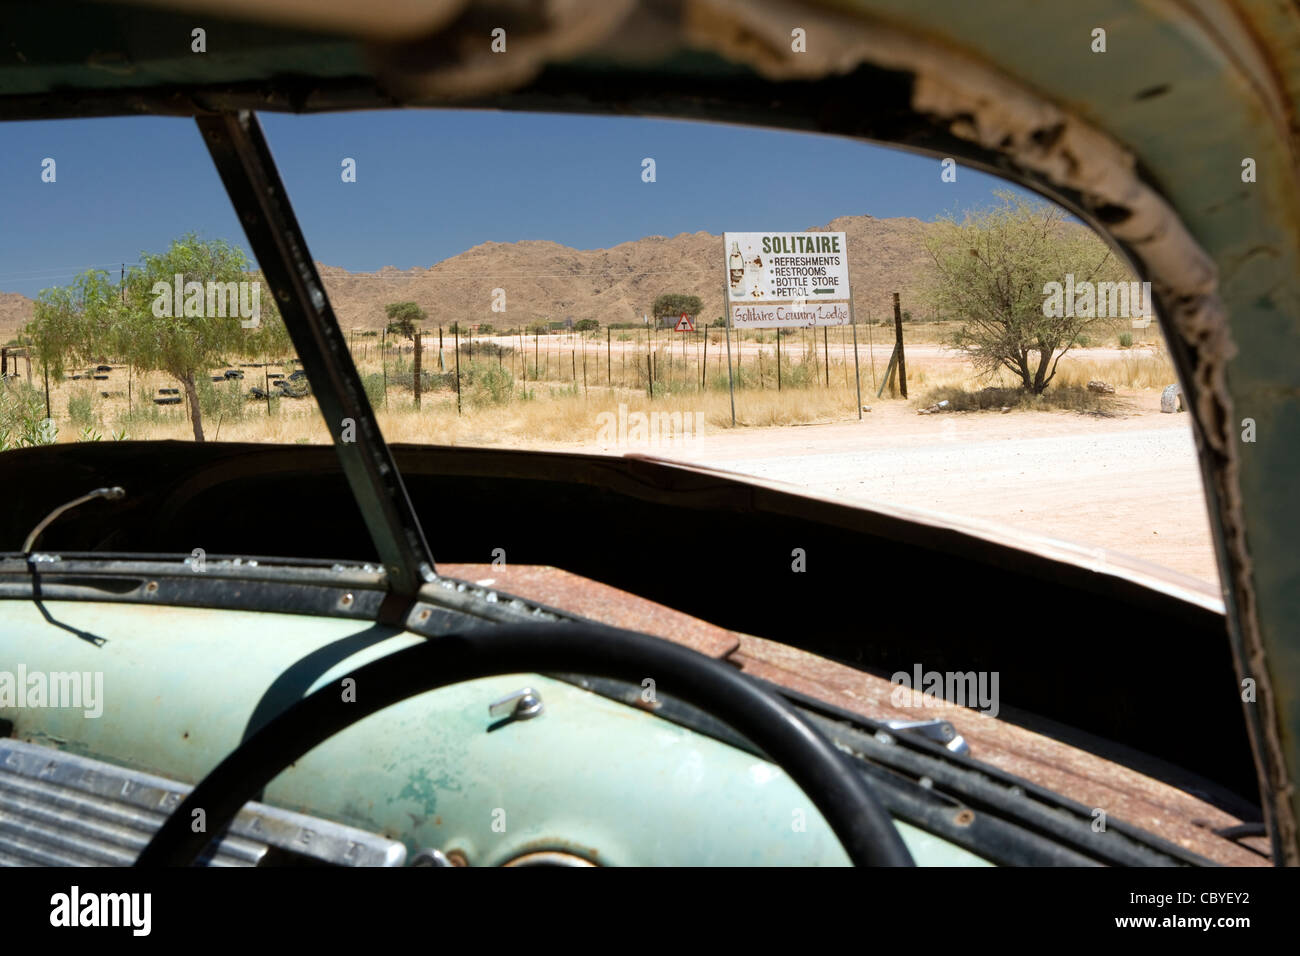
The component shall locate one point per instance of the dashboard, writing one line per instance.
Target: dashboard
(585, 780)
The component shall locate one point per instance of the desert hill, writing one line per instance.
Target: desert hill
(548, 281)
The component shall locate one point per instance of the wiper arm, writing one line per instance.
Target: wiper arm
(243, 159)
(112, 494)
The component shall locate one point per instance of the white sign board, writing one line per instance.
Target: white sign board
(765, 267)
(788, 314)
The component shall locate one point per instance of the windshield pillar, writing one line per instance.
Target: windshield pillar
(243, 160)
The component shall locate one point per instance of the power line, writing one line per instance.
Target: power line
(57, 272)
(518, 275)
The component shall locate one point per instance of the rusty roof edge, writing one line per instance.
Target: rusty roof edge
(986, 107)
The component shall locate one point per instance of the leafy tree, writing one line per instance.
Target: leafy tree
(586, 325)
(187, 346)
(403, 317)
(673, 304)
(90, 320)
(993, 269)
(74, 322)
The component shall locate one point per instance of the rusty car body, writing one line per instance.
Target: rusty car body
(219, 678)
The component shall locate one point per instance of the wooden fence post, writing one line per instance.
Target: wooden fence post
(898, 345)
(419, 365)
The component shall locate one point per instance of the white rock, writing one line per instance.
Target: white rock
(1171, 399)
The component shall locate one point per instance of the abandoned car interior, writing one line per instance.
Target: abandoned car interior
(395, 648)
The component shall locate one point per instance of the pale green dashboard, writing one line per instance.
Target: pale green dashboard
(591, 776)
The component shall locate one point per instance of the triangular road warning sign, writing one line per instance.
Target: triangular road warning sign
(684, 324)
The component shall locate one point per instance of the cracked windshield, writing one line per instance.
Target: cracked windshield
(868, 326)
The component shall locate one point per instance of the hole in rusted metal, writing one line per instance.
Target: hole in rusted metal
(1047, 136)
(1151, 92)
(1112, 214)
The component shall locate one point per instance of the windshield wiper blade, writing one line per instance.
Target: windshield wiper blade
(243, 159)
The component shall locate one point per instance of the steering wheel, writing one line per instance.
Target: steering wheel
(837, 788)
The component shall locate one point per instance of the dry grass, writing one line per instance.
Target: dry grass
(558, 412)
(558, 417)
(1136, 369)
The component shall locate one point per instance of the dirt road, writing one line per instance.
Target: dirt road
(1129, 484)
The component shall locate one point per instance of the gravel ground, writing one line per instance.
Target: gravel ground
(1130, 484)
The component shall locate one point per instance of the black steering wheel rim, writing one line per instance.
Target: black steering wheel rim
(838, 789)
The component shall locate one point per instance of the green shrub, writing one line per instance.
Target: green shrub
(224, 401)
(487, 383)
(22, 417)
(1126, 340)
(81, 407)
(374, 385)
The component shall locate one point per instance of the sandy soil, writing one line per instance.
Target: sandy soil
(1130, 484)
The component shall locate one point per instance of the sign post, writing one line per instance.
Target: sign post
(731, 382)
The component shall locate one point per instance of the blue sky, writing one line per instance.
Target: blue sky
(431, 184)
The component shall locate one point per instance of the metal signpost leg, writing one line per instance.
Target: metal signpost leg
(826, 351)
(731, 384)
(778, 358)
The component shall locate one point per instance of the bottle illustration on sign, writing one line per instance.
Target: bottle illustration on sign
(753, 272)
(736, 266)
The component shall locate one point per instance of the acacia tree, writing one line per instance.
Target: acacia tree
(673, 304)
(403, 317)
(993, 268)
